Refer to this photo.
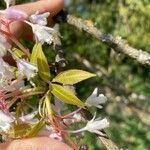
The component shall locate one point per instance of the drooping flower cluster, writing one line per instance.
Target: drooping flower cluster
(29, 85)
(11, 77)
(95, 126)
(41, 32)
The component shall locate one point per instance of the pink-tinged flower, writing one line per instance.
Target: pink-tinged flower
(96, 100)
(29, 118)
(13, 14)
(6, 121)
(4, 45)
(58, 107)
(2, 102)
(6, 76)
(94, 126)
(74, 119)
(56, 136)
(46, 131)
(2, 106)
(42, 33)
(17, 84)
(40, 19)
(26, 68)
(8, 82)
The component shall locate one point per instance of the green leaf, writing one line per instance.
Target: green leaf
(48, 103)
(66, 96)
(34, 55)
(40, 59)
(43, 70)
(36, 128)
(19, 130)
(18, 53)
(72, 76)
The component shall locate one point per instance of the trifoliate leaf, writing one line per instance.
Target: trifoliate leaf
(66, 96)
(72, 76)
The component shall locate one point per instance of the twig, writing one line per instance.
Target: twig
(117, 43)
(109, 144)
(57, 47)
(99, 70)
(15, 41)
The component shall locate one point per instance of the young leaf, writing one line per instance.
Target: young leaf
(66, 96)
(35, 129)
(39, 58)
(43, 69)
(18, 53)
(72, 76)
(35, 51)
(48, 104)
(19, 130)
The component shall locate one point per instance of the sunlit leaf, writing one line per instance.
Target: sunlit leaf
(72, 76)
(35, 51)
(66, 96)
(39, 58)
(48, 103)
(18, 53)
(19, 130)
(36, 128)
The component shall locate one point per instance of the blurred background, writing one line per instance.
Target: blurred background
(125, 82)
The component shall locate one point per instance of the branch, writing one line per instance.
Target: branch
(57, 47)
(117, 43)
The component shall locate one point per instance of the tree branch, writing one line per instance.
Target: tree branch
(117, 43)
(58, 48)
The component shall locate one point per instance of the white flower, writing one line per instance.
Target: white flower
(94, 126)
(12, 86)
(6, 76)
(42, 33)
(77, 117)
(58, 105)
(4, 45)
(40, 19)
(96, 100)
(7, 82)
(5, 70)
(8, 2)
(6, 121)
(17, 84)
(14, 14)
(29, 118)
(26, 68)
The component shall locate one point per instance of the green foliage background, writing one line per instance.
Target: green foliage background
(125, 82)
